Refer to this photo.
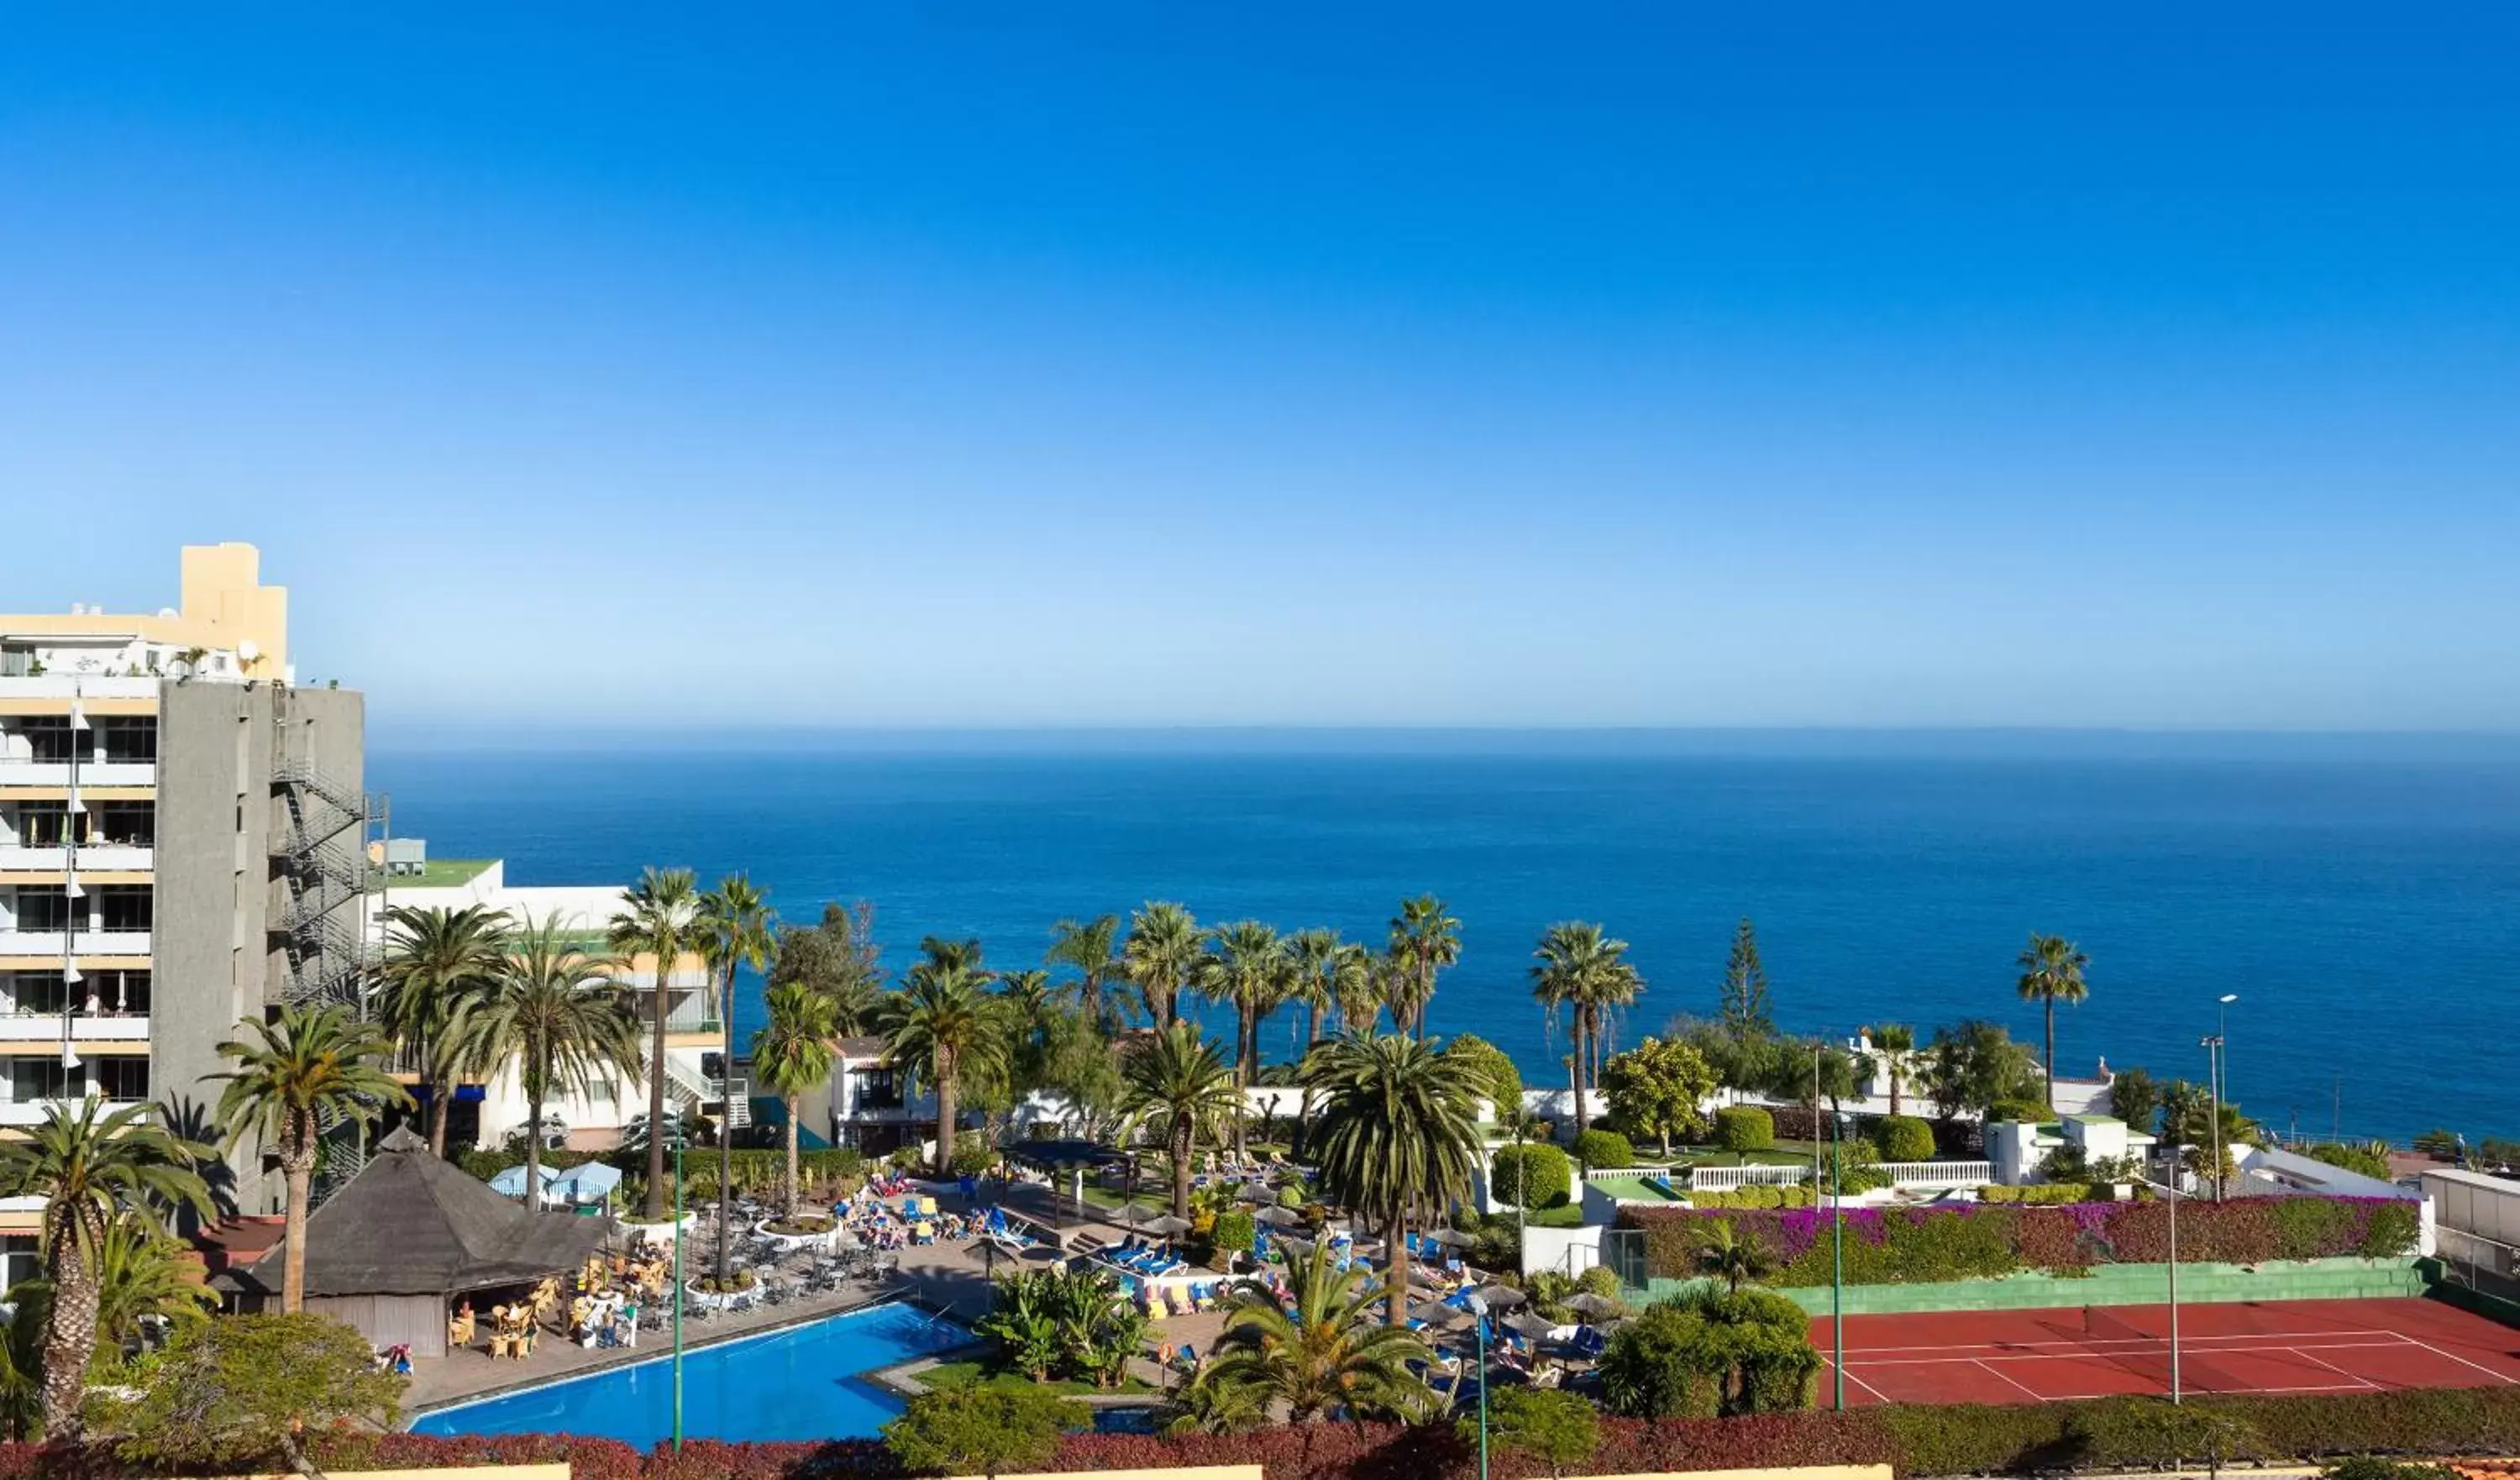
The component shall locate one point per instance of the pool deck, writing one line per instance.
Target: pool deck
(951, 1280)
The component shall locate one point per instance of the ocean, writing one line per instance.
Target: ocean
(2362, 900)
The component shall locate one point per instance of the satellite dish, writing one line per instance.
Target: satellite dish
(248, 652)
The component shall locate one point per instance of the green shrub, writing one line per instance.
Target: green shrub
(2370, 1160)
(1234, 1232)
(1531, 1175)
(1492, 1074)
(1558, 1429)
(2391, 1233)
(1744, 1127)
(2044, 1193)
(1903, 1138)
(1604, 1149)
(1600, 1279)
(982, 1431)
(972, 1157)
(1711, 1353)
(2373, 1467)
(2019, 1112)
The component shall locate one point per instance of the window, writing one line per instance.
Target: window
(31, 1078)
(117, 993)
(877, 1089)
(124, 907)
(126, 737)
(18, 1258)
(43, 825)
(121, 1077)
(38, 992)
(48, 909)
(123, 824)
(50, 740)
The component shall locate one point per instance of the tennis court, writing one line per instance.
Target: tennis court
(2051, 1355)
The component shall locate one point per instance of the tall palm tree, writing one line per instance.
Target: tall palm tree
(1424, 940)
(1174, 1080)
(1161, 955)
(1894, 1041)
(1586, 974)
(1325, 1356)
(564, 1019)
(1029, 996)
(1315, 958)
(1090, 947)
(1356, 989)
(943, 1026)
(90, 1170)
(296, 1076)
(792, 1054)
(1398, 1131)
(1248, 968)
(964, 954)
(737, 928)
(437, 964)
(659, 917)
(2051, 972)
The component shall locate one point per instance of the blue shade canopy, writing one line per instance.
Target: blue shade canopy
(589, 1181)
(511, 1182)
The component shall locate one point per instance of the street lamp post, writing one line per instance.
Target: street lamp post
(1478, 1308)
(2213, 1047)
(1837, 1251)
(678, 1289)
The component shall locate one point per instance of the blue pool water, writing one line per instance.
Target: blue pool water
(801, 1383)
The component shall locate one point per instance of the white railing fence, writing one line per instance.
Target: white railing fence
(1939, 1174)
(1727, 1179)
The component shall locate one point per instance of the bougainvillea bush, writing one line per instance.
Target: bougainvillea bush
(1982, 1242)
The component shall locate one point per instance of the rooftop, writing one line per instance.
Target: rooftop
(436, 874)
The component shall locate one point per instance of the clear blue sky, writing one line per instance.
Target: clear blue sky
(1029, 364)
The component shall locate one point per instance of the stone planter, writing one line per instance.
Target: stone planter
(659, 1232)
(695, 1298)
(822, 1241)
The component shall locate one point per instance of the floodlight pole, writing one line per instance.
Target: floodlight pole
(1479, 1323)
(678, 1291)
(1837, 1252)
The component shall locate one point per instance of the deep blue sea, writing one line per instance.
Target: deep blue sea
(2363, 902)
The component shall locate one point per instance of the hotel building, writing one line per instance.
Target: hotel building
(183, 838)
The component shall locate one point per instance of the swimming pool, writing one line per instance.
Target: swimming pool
(804, 1382)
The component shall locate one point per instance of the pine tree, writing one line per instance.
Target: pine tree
(1745, 985)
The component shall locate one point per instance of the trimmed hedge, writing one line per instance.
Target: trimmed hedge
(752, 1171)
(1604, 1149)
(1543, 1170)
(1903, 1138)
(1921, 1246)
(2046, 1193)
(1754, 1198)
(1744, 1127)
(2113, 1433)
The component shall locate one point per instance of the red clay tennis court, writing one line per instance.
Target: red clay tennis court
(2049, 1355)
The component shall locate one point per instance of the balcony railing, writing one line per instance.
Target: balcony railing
(76, 686)
(22, 771)
(30, 1113)
(46, 1027)
(93, 858)
(23, 944)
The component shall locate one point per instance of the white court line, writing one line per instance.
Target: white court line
(2303, 1351)
(1851, 1377)
(1992, 1372)
(2101, 1341)
(2333, 1387)
(2454, 1357)
(2161, 1348)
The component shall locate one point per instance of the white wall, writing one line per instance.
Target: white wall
(1569, 1250)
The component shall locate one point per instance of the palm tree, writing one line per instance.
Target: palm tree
(92, 1170)
(1161, 955)
(793, 1055)
(737, 928)
(1398, 1130)
(2051, 972)
(1248, 969)
(1734, 1260)
(1586, 974)
(1176, 1078)
(142, 1274)
(659, 918)
(1423, 941)
(1894, 1041)
(1092, 948)
(943, 1026)
(1325, 1356)
(306, 1072)
(565, 1019)
(1029, 996)
(1317, 961)
(1356, 989)
(437, 964)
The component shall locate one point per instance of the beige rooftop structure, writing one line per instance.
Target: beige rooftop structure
(239, 625)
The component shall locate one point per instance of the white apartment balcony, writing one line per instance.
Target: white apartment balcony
(92, 859)
(76, 686)
(21, 945)
(17, 1029)
(17, 771)
(30, 1113)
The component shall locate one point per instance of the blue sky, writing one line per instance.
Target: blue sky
(1031, 365)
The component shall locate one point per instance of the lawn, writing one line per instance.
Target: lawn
(962, 1375)
(436, 874)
